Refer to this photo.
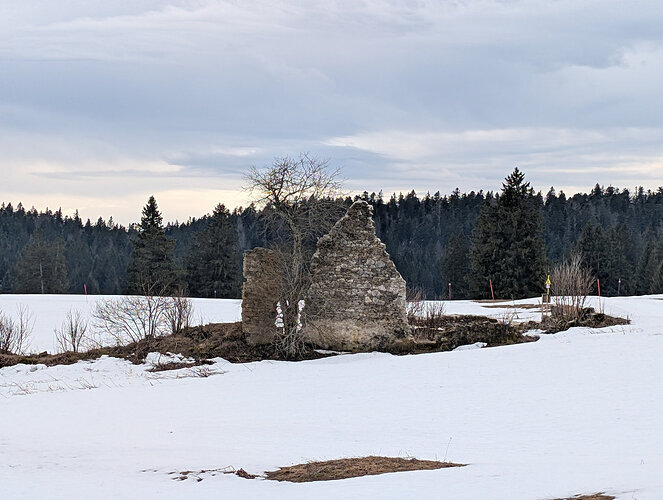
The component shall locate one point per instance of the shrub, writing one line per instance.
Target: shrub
(179, 313)
(72, 333)
(571, 284)
(15, 333)
(132, 318)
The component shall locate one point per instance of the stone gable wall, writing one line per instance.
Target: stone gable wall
(357, 296)
(260, 295)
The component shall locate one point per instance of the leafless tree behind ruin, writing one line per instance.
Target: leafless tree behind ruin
(300, 200)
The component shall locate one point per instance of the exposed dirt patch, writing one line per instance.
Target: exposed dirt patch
(199, 475)
(517, 306)
(433, 333)
(352, 467)
(201, 343)
(446, 332)
(595, 496)
(589, 318)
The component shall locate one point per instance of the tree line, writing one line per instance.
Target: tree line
(454, 245)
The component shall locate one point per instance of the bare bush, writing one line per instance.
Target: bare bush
(72, 332)
(179, 313)
(571, 284)
(15, 333)
(418, 308)
(132, 318)
(425, 316)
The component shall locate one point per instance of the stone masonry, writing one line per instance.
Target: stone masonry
(357, 297)
(260, 296)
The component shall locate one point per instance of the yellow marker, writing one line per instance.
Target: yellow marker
(548, 282)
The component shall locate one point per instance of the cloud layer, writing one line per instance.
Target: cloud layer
(105, 103)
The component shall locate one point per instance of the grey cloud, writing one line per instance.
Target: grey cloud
(216, 86)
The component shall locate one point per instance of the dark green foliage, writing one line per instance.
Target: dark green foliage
(610, 257)
(656, 284)
(213, 261)
(42, 267)
(508, 243)
(649, 271)
(421, 234)
(456, 266)
(152, 268)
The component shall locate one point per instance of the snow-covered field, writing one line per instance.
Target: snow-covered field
(576, 412)
(49, 311)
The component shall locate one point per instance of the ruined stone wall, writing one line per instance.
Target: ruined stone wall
(357, 297)
(260, 295)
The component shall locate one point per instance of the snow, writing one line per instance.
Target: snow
(576, 412)
(49, 312)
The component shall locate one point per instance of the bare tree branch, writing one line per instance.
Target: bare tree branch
(300, 200)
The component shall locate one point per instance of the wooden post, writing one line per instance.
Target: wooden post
(492, 293)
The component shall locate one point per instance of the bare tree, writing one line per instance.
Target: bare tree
(15, 333)
(72, 332)
(299, 198)
(132, 318)
(571, 284)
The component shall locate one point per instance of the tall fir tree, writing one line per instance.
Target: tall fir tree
(152, 269)
(213, 261)
(507, 243)
(42, 267)
(456, 266)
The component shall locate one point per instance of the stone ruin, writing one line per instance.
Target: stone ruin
(260, 295)
(357, 296)
(356, 301)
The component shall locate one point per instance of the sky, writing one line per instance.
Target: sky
(104, 103)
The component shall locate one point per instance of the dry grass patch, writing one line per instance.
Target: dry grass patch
(223, 340)
(517, 306)
(446, 332)
(595, 496)
(353, 467)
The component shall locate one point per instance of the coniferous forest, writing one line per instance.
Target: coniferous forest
(443, 245)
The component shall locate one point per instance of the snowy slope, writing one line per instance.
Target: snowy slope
(49, 312)
(575, 412)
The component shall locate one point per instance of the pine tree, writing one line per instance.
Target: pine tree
(213, 261)
(456, 266)
(42, 267)
(593, 245)
(507, 243)
(152, 269)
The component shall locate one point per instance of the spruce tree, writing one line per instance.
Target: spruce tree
(42, 267)
(152, 269)
(507, 243)
(213, 261)
(656, 285)
(456, 266)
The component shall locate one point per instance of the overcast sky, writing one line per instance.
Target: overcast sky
(103, 103)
